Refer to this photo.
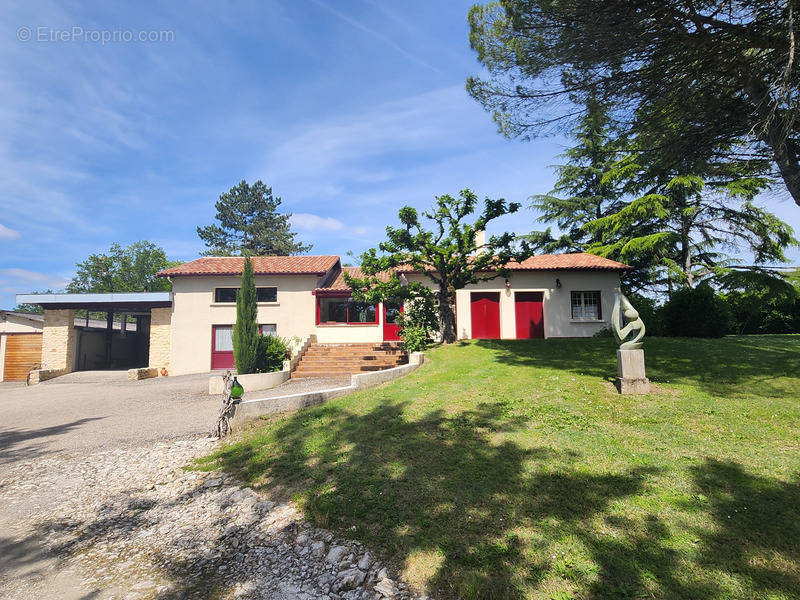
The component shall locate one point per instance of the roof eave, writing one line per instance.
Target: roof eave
(238, 274)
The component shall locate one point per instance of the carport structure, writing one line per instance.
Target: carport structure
(65, 348)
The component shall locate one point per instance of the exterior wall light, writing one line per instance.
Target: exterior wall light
(558, 283)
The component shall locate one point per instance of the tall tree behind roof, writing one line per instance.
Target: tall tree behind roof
(724, 71)
(248, 223)
(123, 269)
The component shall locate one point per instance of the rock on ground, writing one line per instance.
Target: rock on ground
(131, 523)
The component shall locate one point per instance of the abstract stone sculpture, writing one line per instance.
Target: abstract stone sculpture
(623, 309)
(625, 323)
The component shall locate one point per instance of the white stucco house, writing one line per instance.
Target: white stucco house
(190, 328)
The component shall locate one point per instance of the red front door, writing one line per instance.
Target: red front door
(391, 328)
(485, 308)
(222, 347)
(528, 307)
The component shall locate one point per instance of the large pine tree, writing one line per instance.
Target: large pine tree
(249, 223)
(724, 71)
(673, 220)
(584, 192)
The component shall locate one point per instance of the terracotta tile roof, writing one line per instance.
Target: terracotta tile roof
(262, 265)
(576, 261)
(336, 283)
(580, 261)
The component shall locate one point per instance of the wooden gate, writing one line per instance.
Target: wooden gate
(23, 353)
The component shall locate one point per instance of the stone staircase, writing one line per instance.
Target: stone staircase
(343, 360)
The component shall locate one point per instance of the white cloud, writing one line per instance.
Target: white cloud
(23, 280)
(307, 222)
(6, 233)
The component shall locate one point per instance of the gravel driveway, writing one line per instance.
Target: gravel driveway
(95, 503)
(100, 409)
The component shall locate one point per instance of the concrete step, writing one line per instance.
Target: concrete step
(326, 360)
(378, 347)
(359, 347)
(357, 358)
(343, 369)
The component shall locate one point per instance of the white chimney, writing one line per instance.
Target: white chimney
(480, 241)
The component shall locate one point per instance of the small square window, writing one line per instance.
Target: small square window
(267, 294)
(225, 294)
(268, 329)
(586, 306)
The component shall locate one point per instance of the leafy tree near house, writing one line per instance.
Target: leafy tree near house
(670, 225)
(123, 269)
(34, 309)
(683, 225)
(441, 245)
(245, 331)
(725, 73)
(583, 193)
(248, 222)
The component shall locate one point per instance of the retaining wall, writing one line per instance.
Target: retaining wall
(252, 409)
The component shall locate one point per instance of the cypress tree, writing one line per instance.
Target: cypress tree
(245, 332)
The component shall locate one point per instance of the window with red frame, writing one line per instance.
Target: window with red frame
(346, 311)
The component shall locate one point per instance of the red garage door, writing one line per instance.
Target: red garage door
(485, 308)
(529, 314)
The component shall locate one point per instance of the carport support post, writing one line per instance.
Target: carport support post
(58, 340)
(109, 336)
(160, 334)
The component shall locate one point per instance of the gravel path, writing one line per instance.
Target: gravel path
(131, 523)
(100, 409)
(95, 503)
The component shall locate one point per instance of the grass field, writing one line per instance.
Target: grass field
(514, 470)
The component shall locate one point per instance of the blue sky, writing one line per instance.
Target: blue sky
(347, 109)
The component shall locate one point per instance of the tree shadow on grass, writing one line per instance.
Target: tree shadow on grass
(756, 533)
(765, 366)
(476, 515)
(443, 495)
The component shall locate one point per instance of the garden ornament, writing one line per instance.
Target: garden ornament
(237, 390)
(624, 321)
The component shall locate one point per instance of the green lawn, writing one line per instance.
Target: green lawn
(514, 470)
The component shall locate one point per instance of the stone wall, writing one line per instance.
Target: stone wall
(58, 340)
(160, 331)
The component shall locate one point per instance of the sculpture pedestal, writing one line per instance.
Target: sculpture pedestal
(630, 372)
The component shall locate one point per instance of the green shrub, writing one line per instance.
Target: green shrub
(650, 312)
(759, 311)
(697, 312)
(270, 353)
(605, 332)
(418, 323)
(415, 339)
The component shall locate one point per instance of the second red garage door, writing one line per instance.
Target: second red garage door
(529, 314)
(485, 307)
